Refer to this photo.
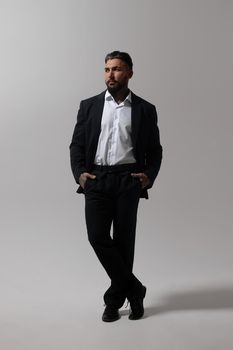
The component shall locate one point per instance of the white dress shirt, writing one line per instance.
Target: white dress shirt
(115, 144)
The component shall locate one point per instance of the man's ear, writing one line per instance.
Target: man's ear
(130, 74)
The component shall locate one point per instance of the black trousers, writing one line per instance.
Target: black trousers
(111, 200)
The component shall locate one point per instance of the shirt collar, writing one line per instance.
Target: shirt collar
(109, 97)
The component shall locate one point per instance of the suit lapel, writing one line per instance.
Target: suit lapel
(97, 117)
(135, 118)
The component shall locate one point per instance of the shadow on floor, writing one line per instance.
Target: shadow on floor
(211, 298)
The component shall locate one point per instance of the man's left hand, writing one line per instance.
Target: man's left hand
(145, 181)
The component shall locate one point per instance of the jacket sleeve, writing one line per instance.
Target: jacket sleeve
(153, 156)
(77, 146)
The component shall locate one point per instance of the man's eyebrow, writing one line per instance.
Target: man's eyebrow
(114, 67)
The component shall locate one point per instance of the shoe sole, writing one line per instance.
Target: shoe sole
(110, 320)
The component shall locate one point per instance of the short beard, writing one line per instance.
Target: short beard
(114, 89)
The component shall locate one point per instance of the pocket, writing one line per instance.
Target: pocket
(88, 184)
(85, 183)
(137, 182)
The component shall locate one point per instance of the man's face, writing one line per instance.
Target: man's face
(117, 74)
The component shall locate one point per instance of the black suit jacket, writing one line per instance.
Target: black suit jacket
(145, 137)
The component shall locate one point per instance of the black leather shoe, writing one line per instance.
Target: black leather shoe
(110, 314)
(136, 305)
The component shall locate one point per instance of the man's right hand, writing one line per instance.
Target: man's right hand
(83, 178)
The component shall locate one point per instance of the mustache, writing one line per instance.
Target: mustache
(111, 81)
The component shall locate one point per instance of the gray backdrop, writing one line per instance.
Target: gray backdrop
(52, 56)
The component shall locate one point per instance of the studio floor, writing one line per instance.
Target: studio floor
(177, 319)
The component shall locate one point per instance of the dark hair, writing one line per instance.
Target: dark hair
(124, 56)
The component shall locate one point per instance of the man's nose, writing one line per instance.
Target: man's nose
(110, 74)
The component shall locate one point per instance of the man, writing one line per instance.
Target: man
(115, 158)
